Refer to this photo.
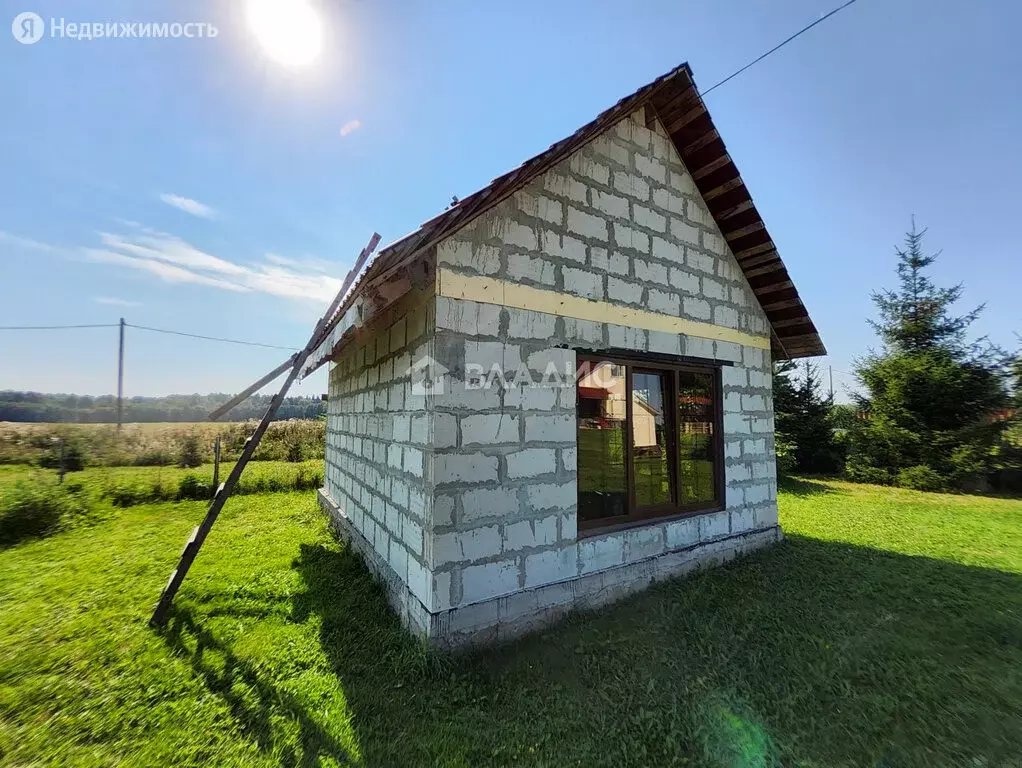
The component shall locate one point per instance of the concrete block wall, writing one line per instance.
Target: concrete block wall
(378, 448)
(504, 473)
(620, 222)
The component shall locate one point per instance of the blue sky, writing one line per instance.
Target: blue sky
(236, 169)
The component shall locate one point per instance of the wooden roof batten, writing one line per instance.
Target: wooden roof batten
(673, 99)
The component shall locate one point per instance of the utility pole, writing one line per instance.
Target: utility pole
(120, 377)
(831, 368)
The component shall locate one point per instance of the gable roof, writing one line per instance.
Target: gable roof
(675, 101)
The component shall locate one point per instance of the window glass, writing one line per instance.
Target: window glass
(602, 409)
(647, 442)
(695, 437)
(650, 461)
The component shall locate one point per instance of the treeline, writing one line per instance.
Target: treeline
(938, 411)
(85, 409)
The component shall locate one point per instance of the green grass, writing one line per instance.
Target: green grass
(886, 631)
(126, 486)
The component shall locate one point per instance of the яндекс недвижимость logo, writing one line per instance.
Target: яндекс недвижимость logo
(28, 27)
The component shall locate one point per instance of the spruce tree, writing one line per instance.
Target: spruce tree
(802, 420)
(1016, 379)
(931, 394)
(917, 317)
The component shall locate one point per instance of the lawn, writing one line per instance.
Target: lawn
(125, 486)
(887, 630)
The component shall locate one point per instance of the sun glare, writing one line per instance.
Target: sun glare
(289, 31)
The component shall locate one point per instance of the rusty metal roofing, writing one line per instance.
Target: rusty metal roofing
(676, 102)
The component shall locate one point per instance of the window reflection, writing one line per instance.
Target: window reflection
(695, 437)
(649, 439)
(602, 411)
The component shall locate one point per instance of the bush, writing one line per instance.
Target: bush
(73, 457)
(193, 488)
(190, 453)
(922, 478)
(154, 457)
(786, 463)
(36, 507)
(865, 473)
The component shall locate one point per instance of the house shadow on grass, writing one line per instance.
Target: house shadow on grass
(810, 652)
(801, 486)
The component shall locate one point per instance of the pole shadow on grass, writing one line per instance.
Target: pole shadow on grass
(254, 700)
(812, 651)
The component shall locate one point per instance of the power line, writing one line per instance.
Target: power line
(777, 47)
(143, 328)
(54, 327)
(209, 338)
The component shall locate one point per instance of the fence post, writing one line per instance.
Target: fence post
(60, 472)
(216, 466)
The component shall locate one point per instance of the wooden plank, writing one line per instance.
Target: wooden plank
(753, 251)
(771, 266)
(772, 288)
(712, 166)
(696, 144)
(194, 544)
(352, 273)
(734, 210)
(250, 390)
(796, 311)
(782, 304)
(725, 187)
(488, 290)
(806, 341)
(773, 281)
(763, 258)
(794, 324)
(679, 101)
(760, 237)
(687, 117)
(649, 114)
(734, 234)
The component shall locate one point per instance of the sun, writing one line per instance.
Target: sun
(289, 31)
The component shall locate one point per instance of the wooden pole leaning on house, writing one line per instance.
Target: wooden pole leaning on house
(296, 362)
(245, 394)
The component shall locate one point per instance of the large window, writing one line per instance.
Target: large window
(648, 441)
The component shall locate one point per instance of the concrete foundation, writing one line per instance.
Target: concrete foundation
(504, 618)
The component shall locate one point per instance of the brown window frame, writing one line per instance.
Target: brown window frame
(639, 516)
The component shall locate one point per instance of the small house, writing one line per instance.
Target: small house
(558, 390)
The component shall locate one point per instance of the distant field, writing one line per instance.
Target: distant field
(209, 428)
(158, 443)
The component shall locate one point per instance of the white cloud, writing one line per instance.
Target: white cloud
(162, 247)
(305, 265)
(114, 302)
(173, 260)
(166, 272)
(188, 205)
(25, 243)
(350, 127)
